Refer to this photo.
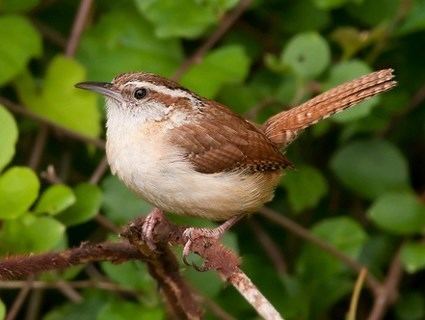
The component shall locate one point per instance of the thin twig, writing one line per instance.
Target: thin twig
(69, 291)
(50, 34)
(82, 284)
(226, 22)
(218, 312)
(387, 294)
(99, 171)
(34, 303)
(78, 27)
(18, 109)
(50, 175)
(106, 223)
(38, 148)
(356, 295)
(298, 230)
(255, 110)
(269, 246)
(65, 164)
(20, 299)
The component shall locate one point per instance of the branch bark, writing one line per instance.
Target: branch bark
(164, 269)
(162, 265)
(387, 293)
(78, 27)
(17, 267)
(216, 257)
(298, 230)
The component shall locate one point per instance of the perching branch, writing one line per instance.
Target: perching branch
(162, 265)
(216, 257)
(164, 269)
(17, 267)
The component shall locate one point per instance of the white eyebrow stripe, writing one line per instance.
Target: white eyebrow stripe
(176, 93)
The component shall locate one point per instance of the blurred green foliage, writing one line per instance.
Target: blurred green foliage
(359, 178)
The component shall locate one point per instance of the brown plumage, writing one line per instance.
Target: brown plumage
(219, 140)
(284, 127)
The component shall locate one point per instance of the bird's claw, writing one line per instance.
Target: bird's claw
(192, 234)
(148, 228)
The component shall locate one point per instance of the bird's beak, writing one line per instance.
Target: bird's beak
(104, 88)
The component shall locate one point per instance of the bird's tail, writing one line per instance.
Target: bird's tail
(286, 125)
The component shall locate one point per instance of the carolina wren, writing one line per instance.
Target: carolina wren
(189, 155)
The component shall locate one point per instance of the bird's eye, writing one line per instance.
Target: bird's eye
(140, 93)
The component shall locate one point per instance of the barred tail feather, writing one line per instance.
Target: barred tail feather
(286, 125)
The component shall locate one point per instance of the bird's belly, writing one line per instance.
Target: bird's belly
(213, 196)
(174, 186)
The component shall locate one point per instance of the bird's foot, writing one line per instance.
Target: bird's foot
(209, 236)
(152, 220)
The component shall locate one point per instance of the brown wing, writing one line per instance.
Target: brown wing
(220, 140)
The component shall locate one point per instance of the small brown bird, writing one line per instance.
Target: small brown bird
(189, 155)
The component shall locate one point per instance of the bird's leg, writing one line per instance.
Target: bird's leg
(191, 234)
(152, 220)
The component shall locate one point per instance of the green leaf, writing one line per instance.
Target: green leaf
(208, 283)
(119, 203)
(398, 213)
(373, 12)
(312, 17)
(352, 40)
(2, 310)
(122, 41)
(226, 65)
(413, 256)
(55, 199)
(307, 54)
(410, 306)
(184, 18)
(332, 4)
(131, 275)
(343, 72)
(305, 187)
(88, 200)
(19, 43)
(415, 20)
(122, 310)
(240, 97)
(376, 253)
(30, 234)
(17, 5)
(18, 189)
(58, 100)
(343, 233)
(371, 168)
(87, 309)
(8, 137)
